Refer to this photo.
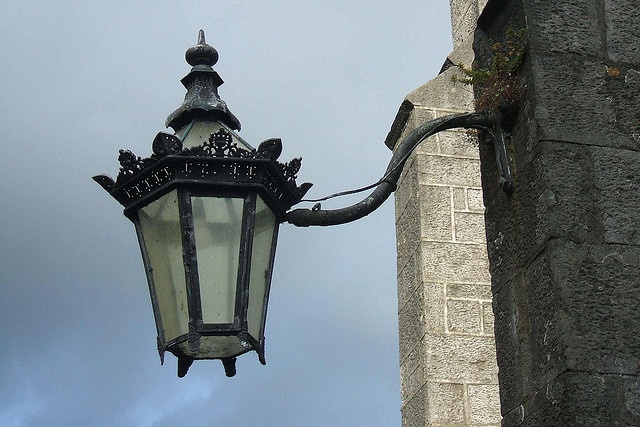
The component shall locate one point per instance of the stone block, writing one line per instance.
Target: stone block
(411, 325)
(459, 143)
(469, 290)
(596, 285)
(564, 83)
(415, 411)
(474, 196)
(411, 382)
(580, 399)
(422, 115)
(454, 262)
(435, 213)
(562, 26)
(446, 403)
(464, 14)
(429, 146)
(449, 171)
(617, 177)
(623, 37)
(484, 409)
(408, 231)
(487, 318)
(440, 92)
(459, 199)
(407, 186)
(460, 358)
(434, 307)
(407, 279)
(572, 309)
(469, 227)
(554, 195)
(464, 316)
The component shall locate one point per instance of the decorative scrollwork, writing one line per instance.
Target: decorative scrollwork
(165, 144)
(219, 144)
(290, 169)
(270, 149)
(130, 165)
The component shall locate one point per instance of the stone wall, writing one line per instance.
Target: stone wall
(564, 248)
(447, 352)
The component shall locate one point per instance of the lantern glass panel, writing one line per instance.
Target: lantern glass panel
(162, 240)
(261, 263)
(218, 230)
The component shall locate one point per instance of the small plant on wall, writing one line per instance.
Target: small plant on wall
(500, 86)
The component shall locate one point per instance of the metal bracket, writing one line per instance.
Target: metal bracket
(499, 139)
(492, 125)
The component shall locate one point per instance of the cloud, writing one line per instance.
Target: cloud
(84, 79)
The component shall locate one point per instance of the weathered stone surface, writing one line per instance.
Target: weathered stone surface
(464, 15)
(469, 291)
(407, 187)
(464, 316)
(429, 146)
(408, 232)
(563, 26)
(411, 328)
(459, 199)
(435, 202)
(623, 37)
(564, 247)
(412, 377)
(449, 170)
(482, 408)
(469, 227)
(458, 143)
(446, 403)
(445, 344)
(440, 92)
(434, 307)
(415, 411)
(580, 399)
(563, 84)
(407, 279)
(456, 357)
(474, 196)
(488, 323)
(617, 177)
(454, 262)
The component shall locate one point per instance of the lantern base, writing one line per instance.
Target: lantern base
(229, 364)
(184, 363)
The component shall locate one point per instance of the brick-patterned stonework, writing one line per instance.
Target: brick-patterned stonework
(565, 245)
(447, 352)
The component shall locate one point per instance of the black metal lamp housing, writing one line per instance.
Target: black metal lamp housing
(206, 208)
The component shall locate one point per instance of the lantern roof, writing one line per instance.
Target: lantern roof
(202, 101)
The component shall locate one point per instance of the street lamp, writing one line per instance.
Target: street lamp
(206, 208)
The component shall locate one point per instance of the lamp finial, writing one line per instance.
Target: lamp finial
(202, 53)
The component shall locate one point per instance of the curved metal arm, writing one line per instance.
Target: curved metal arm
(308, 217)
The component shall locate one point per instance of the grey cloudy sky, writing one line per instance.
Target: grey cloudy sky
(82, 79)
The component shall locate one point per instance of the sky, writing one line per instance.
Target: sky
(81, 80)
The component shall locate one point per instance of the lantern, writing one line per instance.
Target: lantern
(206, 208)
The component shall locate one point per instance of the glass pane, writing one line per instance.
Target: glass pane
(160, 225)
(260, 265)
(217, 226)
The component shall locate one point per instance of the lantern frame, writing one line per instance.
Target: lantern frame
(216, 168)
